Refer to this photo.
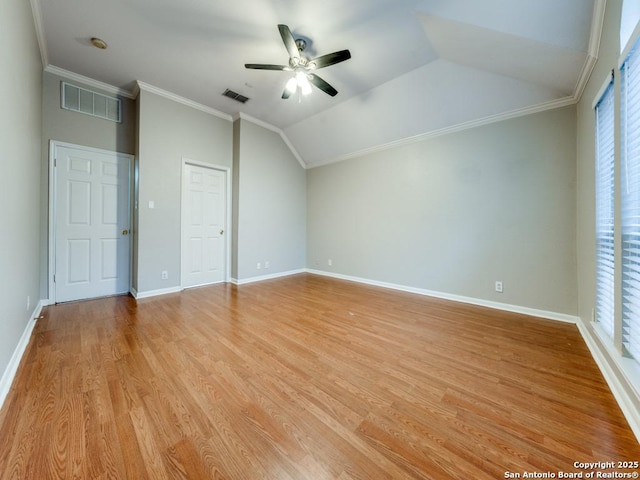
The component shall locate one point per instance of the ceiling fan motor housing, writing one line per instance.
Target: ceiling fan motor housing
(301, 43)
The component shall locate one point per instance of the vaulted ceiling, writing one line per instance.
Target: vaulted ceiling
(418, 67)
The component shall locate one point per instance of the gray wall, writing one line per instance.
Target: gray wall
(72, 127)
(167, 132)
(271, 203)
(236, 198)
(453, 214)
(20, 137)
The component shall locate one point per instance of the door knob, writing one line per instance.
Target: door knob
(221, 232)
(125, 232)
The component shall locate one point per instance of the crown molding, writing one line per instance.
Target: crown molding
(597, 25)
(541, 107)
(257, 121)
(39, 27)
(585, 75)
(141, 86)
(105, 87)
(273, 128)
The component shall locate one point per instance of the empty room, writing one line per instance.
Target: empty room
(293, 240)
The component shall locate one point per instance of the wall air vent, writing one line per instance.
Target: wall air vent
(235, 96)
(91, 103)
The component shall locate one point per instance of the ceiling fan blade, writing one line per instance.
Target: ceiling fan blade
(322, 85)
(265, 66)
(331, 59)
(289, 41)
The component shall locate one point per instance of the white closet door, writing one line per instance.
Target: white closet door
(203, 237)
(92, 223)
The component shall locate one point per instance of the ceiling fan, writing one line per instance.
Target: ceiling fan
(302, 66)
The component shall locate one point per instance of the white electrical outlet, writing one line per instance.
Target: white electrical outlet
(164, 275)
(330, 262)
(499, 288)
(267, 264)
(258, 266)
(28, 302)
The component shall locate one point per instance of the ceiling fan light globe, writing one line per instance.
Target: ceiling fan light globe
(303, 82)
(306, 88)
(292, 85)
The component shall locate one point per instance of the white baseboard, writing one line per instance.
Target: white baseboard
(262, 278)
(615, 376)
(561, 317)
(153, 293)
(12, 367)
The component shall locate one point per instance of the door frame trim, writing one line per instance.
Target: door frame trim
(228, 240)
(51, 224)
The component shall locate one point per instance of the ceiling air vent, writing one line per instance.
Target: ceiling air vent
(91, 103)
(235, 96)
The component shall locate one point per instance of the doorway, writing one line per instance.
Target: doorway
(204, 224)
(90, 218)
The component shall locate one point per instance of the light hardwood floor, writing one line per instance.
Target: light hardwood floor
(304, 378)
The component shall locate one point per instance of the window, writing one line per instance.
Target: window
(630, 136)
(605, 161)
(629, 18)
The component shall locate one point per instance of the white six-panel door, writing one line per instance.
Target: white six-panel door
(91, 223)
(203, 223)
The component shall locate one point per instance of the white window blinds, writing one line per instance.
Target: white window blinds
(605, 211)
(630, 134)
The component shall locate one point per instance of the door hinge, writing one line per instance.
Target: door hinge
(54, 278)
(55, 162)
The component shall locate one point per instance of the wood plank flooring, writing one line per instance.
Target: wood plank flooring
(304, 377)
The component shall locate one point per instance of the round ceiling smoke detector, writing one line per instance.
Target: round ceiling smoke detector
(99, 43)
